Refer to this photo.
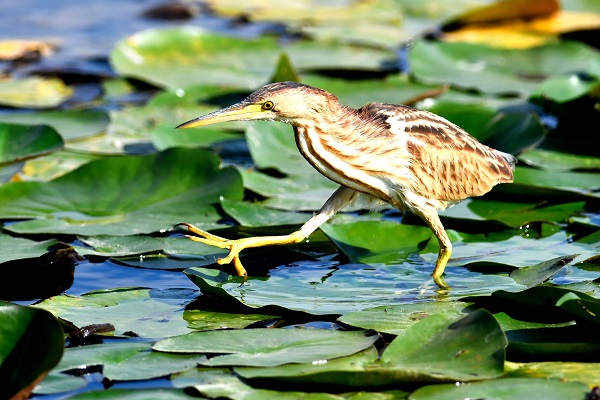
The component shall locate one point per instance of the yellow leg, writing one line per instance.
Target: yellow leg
(236, 246)
(340, 198)
(433, 220)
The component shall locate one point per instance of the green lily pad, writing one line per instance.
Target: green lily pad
(268, 347)
(439, 348)
(124, 196)
(563, 371)
(13, 248)
(19, 142)
(32, 344)
(588, 309)
(556, 183)
(395, 319)
(253, 214)
(57, 383)
(33, 92)
(206, 58)
(558, 161)
(535, 274)
(510, 388)
(313, 288)
(514, 131)
(53, 165)
(496, 70)
(127, 361)
(70, 124)
(444, 347)
(208, 320)
(565, 88)
(134, 394)
(149, 313)
(363, 240)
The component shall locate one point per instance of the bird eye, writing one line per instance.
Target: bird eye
(268, 105)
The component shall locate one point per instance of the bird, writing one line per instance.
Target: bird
(412, 159)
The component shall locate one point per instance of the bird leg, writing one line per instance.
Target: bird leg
(433, 220)
(339, 199)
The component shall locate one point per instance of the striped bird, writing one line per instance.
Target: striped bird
(412, 159)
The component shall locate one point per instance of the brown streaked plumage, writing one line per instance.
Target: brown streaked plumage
(414, 160)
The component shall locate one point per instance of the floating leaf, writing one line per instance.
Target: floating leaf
(33, 92)
(149, 313)
(512, 388)
(32, 343)
(127, 361)
(395, 319)
(268, 347)
(444, 347)
(19, 142)
(205, 58)
(123, 196)
(558, 161)
(563, 371)
(535, 274)
(497, 71)
(70, 124)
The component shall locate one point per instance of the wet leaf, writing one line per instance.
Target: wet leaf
(203, 320)
(513, 388)
(148, 313)
(268, 347)
(254, 214)
(19, 142)
(562, 89)
(124, 196)
(395, 319)
(127, 361)
(535, 274)
(32, 343)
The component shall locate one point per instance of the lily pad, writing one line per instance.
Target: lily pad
(497, 71)
(558, 161)
(127, 361)
(19, 142)
(205, 58)
(33, 92)
(124, 196)
(510, 388)
(535, 274)
(32, 344)
(395, 319)
(149, 313)
(70, 124)
(268, 347)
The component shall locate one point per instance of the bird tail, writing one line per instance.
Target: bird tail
(510, 159)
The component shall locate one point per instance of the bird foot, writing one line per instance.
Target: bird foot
(234, 246)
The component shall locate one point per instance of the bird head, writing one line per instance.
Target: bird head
(288, 102)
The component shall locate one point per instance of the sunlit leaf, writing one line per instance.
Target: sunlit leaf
(205, 58)
(566, 88)
(395, 319)
(149, 313)
(564, 371)
(123, 196)
(513, 388)
(33, 92)
(497, 71)
(268, 347)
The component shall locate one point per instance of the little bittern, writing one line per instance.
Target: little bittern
(412, 159)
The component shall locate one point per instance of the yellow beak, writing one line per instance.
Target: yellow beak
(237, 112)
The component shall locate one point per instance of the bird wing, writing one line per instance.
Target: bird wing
(447, 163)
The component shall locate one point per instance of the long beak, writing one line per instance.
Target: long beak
(237, 112)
